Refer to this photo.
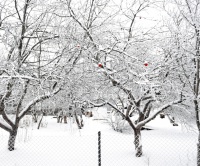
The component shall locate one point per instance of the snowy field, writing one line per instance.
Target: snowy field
(65, 145)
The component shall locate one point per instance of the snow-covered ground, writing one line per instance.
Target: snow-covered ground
(66, 145)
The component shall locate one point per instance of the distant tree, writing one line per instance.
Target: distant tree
(35, 62)
(183, 51)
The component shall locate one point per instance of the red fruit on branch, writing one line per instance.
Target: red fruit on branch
(146, 64)
(100, 65)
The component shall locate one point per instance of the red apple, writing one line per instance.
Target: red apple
(100, 65)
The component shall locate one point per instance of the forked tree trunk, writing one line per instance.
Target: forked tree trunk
(12, 138)
(138, 143)
(35, 117)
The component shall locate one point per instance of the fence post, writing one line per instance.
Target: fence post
(99, 148)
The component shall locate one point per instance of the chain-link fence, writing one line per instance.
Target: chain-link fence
(101, 149)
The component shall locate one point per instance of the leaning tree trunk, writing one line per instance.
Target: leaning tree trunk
(137, 143)
(12, 138)
(40, 121)
(77, 121)
(81, 119)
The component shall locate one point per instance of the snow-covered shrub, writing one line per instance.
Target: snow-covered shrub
(44, 124)
(116, 121)
(25, 122)
(24, 125)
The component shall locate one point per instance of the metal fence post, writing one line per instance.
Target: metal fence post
(99, 148)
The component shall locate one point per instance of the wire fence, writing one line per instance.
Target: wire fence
(100, 149)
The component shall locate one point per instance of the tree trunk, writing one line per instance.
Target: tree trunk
(12, 138)
(81, 119)
(77, 121)
(58, 119)
(137, 143)
(35, 117)
(198, 151)
(40, 121)
(141, 117)
(65, 119)
(162, 116)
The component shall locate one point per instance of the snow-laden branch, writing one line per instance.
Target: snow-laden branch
(127, 118)
(157, 111)
(97, 105)
(108, 103)
(36, 100)
(5, 126)
(18, 76)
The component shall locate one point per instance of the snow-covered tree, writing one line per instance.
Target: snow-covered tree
(125, 57)
(183, 51)
(36, 60)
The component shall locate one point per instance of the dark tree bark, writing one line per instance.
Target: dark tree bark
(77, 121)
(137, 142)
(58, 119)
(35, 117)
(198, 151)
(39, 124)
(12, 138)
(65, 119)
